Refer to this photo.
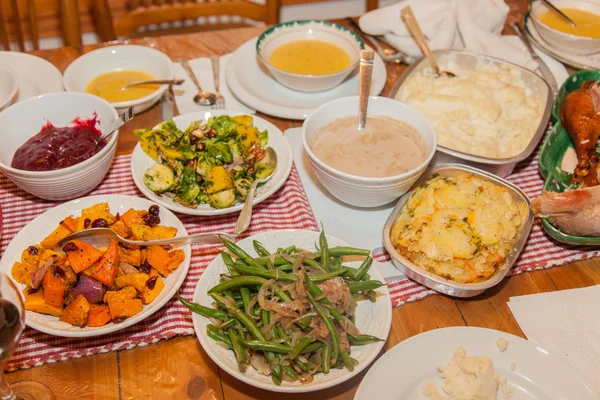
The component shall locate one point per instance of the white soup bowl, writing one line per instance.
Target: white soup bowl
(9, 85)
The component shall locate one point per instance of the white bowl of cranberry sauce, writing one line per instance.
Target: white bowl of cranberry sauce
(48, 144)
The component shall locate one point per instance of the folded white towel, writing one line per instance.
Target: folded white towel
(474, 25)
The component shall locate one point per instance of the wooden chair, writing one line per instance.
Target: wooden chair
(143, 13)
(18, 23)
(372, 4)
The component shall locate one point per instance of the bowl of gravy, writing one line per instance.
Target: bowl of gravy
(374, 166)
(309, 55)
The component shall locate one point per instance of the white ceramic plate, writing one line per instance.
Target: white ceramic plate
(252, 84)
(35, 231)
(400, 372)
(591, 61)
(36, 76)
(9, 84)
(371, 318)
(140, 162)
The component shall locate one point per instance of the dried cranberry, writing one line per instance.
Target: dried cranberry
(58, 271)
(70, 246)
(100, 223)
(86, 223)
(118, 216)
(151, 219)
(193, 139)
(33, 251)
(212, 133)
(154, 209)
(250, 169)
(200, 179)
(145, 267)
(150, 283)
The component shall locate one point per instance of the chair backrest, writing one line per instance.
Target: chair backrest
(372, 4)
(19, 23)
(142, 13)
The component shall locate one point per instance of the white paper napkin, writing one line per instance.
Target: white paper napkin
(202, 67)
(362, 227)
(474, 25)
(566, 323)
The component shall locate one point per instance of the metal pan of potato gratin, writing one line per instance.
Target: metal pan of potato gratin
(436, 282)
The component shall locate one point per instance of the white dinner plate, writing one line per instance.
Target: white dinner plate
(591, 61)
(36, 230)
(140, 162)
(253, 85)
(36, 76)
(538, 374)
(371, 318)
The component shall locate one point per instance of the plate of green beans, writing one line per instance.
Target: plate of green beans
(291, 310)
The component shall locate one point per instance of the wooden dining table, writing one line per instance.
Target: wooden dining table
(179, 368)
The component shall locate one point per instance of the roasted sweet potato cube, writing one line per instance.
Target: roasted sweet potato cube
(55, 287)
(141, 232)
(121, 229)
(126, 293)
(163, 232)
(99, 315)
(81, 255)
(106, 269)
(77, 312)
(138, 281)
(32, 257)
(176, 257)
(97, 211)
(130, 256)
(158, 258)
(132, 217)
(56, 236)
(121, 309)
(48, 254)
(149, 294)
(22, 272)
(70, 223)
(35, 302)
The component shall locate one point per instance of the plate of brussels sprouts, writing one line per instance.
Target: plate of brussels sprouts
(204, 163)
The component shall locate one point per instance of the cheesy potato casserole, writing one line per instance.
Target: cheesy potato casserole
(461, 228)
(488, 112)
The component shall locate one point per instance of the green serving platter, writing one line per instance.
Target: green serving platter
(553, 150)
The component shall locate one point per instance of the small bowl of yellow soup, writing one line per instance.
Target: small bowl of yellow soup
(309, 55)
(106, 71)
(583, 39)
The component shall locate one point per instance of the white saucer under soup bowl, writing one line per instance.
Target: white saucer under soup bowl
(9, 85)
(367, 191)
(325, 31)
(84, 69)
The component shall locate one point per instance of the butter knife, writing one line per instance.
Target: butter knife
(546, 73)
(168, 108)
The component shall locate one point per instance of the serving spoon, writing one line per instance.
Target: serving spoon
(123, 118)
(413, 27)
(175, 82)
(100, 237)
(364, 89)
(202, 98)
(243, 221)
(552, 7)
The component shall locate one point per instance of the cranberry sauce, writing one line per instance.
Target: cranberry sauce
(55, 148)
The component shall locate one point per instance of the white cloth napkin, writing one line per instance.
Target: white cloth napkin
(202, 68)
(566, 323)
(474, 25)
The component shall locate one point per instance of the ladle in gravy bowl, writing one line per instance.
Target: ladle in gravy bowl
(363, 191)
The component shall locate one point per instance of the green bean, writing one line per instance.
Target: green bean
(302, 343)
(237, 282)
(229, 294)
(337, 315)
(227, 324)
(356, 287)
(289, 250)
(280, 250)
(284, 268)
(354, 361)
(304, 322)
(283, 296)
(364, 268)
(344, 251)
(351, 274)
(346, 360)
(215, 334)
(246, 297)
(324, 250)
(238, 347)
(229, 263)
(337, 263)
(260, 249)
(312, 347)
(316, 291)
(325, 357)
(362, 339)
(281, 333)
(305, 366)
(235, 249)
(264, 345)
(328, 275)
(312, 263)
(335, 336)
(289, 371)
(268, 274)
(276, 380)
(207, 312)
(278, 260)
(269, 264)
(265, 317)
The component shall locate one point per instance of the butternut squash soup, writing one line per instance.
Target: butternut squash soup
(310, 57)
(588, 24)
(111, 86)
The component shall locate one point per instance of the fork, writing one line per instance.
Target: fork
(220, 103)
(127, 115)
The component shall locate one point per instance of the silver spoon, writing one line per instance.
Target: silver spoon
(560, 13)
(100, 237)
(123, 118)
(365, 74)
(413, 27)
(245, 217)
(203, 98)
(155, 82)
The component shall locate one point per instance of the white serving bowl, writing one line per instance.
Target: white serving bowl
(572, 44)
(356, 190)
(25, 119)
(9, 85)
(325, 31)
(80, 72)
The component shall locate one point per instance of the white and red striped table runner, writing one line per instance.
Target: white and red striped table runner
(288, 208)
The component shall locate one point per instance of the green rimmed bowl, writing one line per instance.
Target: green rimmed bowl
(326, 31)
(553, 151)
